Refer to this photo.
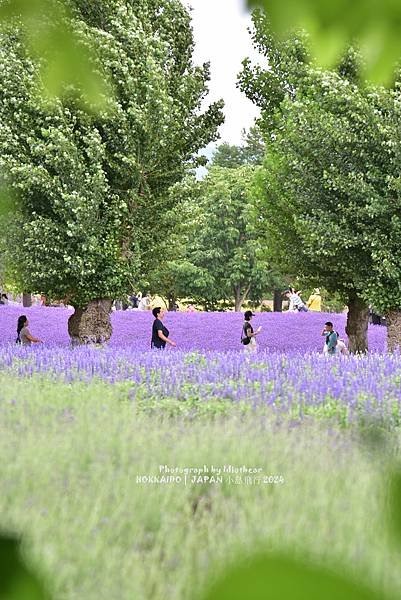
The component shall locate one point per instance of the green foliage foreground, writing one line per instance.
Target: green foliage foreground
(70, 458)
(16, 581)
(334, 25)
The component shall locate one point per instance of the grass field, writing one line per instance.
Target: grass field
(71, 455)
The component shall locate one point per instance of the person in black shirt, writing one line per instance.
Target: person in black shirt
(134, 301)
(160, 333)
(248, 334)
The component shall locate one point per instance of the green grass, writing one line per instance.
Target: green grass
(70, 455)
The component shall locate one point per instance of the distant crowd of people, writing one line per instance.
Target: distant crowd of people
(137, 301)
(141, 302)
(34, 300)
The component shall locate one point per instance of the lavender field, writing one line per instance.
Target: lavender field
(209, 371)
(85, 431)
(292, 385)
(285, 332)
(289, 375)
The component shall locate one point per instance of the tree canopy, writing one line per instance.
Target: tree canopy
(250, 152)
(329, 189)
(93, 188)
(224, 250)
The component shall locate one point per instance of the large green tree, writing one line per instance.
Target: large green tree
(173, 274)
(185, 270)
(93, 188)
(332, 25)
(227, 257)
(329, 193)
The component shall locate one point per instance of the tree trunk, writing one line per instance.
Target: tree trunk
(171, 303)
(277, 301)
(91, 324)
(393, 318)
(240, 299)
(238, 303)
(26, 300)
(357, 325)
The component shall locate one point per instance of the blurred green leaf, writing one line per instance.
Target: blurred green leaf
(374, 24)
(16, 581)
(50, 35)
(270, 577)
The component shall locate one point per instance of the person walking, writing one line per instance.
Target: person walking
(314, 302)
(160, 333)
(24, 336)
(331, 339)
(248, 337)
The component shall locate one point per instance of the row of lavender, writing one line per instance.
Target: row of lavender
(294, 384)
(285, 332)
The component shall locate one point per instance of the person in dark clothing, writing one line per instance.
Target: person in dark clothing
(375, 318)
(248, 337)
(134, 301)
(160, 332)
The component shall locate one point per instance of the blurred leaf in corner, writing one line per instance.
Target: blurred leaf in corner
(68, 60)
(273, 577)
(334, 25)
(16, 581)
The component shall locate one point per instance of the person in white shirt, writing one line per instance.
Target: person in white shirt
(341, 347)
(295, 302)
(144, 303)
